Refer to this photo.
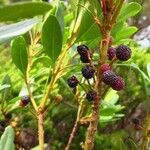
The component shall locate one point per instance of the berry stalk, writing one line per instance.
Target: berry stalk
(89, 142)
(109, 20)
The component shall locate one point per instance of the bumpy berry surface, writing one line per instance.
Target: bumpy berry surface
(105, 67)
(108, 77)
(73, 82)
(82, 49)
(88, 71)
(24, 101)
(123, 52)
(118, 84)
(111, 53)
(85, 55)
(91, 95)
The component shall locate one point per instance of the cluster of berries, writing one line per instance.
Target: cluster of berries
(122, 53)
(87, 71)
(110, 78)
(24, 101)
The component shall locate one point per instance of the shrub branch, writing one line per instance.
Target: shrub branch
(75, 127)
(109, 19)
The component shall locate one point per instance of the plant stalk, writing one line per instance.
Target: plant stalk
(108, 22)
(145, 142)
(89, 142)
(41, 131)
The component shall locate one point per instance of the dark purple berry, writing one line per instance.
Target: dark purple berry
(111, 53)
(123, 52)
(82, 49)
(108, 77)
(118, 84)
(85, 59)
(91, 95)
(136, 121)
(88, 71)
(8, 116)
(2, 123)
(24, 100)
(73, 82)
(85, 55)
(105, 67)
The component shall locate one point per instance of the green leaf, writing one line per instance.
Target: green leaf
(88, 30)
(132, 144)
(66, 35)
(74, 6)
(107, 111)
(148, 69)
(94, 7)
(45, 60)
(104, 119)
(23, 10)
(13, 101)
(117, 27)
(52, 37)
(111, 97)
(60, 15)
(65, 85)
(140, 71)
(7, 139)
(93, 43)
(135, 67)
(19, 54)
(126, 32)
(9, 31)
(6, 85)
(129, 10)
(68, 18)
(58, 12)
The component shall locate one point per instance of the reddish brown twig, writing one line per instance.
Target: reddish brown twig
(75, 127)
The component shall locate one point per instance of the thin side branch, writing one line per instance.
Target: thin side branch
(27, 78)
(72, 135)
(58, 68)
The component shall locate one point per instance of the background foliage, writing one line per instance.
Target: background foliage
(116, 130)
